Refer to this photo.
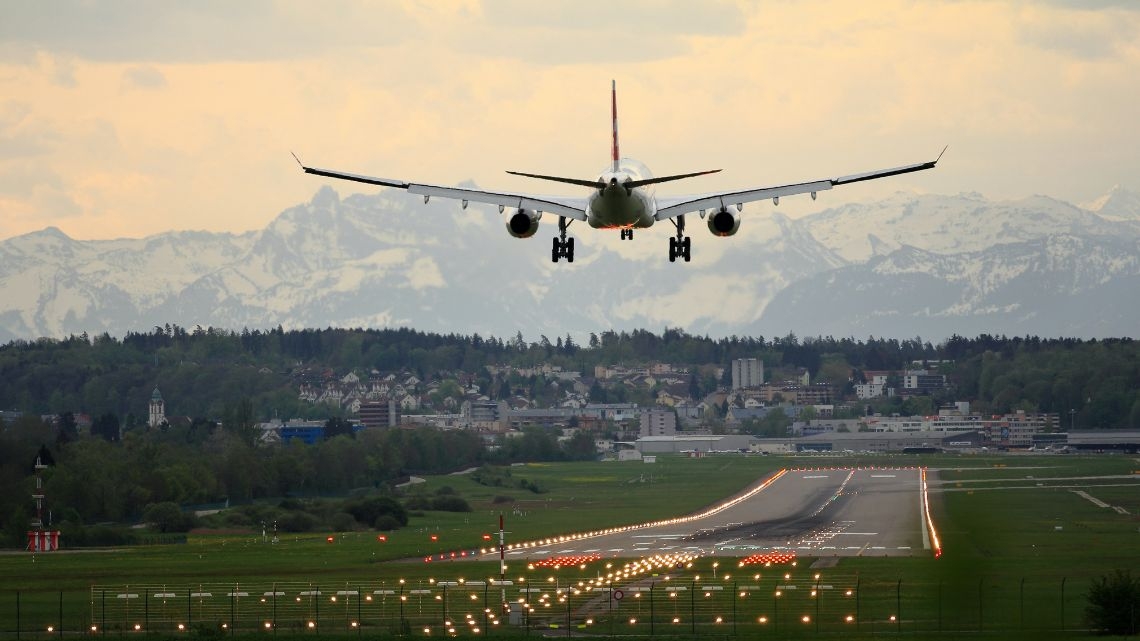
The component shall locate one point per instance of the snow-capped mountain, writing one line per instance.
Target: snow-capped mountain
(1117, 204)
(908, 265)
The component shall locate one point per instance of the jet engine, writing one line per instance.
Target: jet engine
(724, 223)
(523, 223)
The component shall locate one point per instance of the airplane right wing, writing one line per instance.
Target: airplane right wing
(570, 207)
(671, 207)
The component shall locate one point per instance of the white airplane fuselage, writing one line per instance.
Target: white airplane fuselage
(616, 207)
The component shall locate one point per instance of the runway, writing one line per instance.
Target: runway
(811, 512)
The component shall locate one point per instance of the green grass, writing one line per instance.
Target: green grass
(994, 539)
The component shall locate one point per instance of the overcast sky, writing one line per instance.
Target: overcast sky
(133, 117)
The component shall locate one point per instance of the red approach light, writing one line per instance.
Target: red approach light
(381, 538)
(427, 559)
(770, 557)
(486, 537)
(435, 537)
(331, 539)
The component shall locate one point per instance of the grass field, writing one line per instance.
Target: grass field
(1009, 543)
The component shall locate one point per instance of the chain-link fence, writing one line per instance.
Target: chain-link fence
(783, 603)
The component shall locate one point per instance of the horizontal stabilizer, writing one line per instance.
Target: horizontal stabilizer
(664, 179)
(597, 184)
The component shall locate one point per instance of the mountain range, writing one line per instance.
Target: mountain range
(909, 265)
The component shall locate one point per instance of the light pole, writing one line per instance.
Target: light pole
(776, 612)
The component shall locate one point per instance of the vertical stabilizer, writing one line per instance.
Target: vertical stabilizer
(613, 108)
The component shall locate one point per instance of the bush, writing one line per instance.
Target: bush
(450, 504)
(236, 519)
(1114, 604)
(291, 504)
(297, 522)
(386, 523)
(501, 498)
(168, 517)
(418, 502)
(343, 522)
(367, 510)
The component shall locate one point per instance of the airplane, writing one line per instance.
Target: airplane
(622, 198)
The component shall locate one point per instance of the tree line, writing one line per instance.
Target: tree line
(212, 374)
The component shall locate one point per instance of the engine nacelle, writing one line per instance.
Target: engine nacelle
(724, 223)
(523, 223)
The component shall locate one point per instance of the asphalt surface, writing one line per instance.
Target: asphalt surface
(826, 512)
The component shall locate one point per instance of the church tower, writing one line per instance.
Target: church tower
(157, 409)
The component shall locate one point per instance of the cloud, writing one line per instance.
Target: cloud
(144, 77)
(1084, 34)
(207, 30)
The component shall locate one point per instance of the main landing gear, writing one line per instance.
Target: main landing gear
(681, 245)
(627, 234)
(563, 246)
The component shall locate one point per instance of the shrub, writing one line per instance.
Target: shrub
(234, 518)
(418, 502)
(450, 504)
(1114, 604)
(502, 498)
(291, 504)
(386, 523)
(297, 522)
(168, 517)
(343, 522)
(367, 510)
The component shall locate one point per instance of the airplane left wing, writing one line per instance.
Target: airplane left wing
(671, 207)
(569, 207)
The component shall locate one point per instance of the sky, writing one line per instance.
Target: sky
(132, 117)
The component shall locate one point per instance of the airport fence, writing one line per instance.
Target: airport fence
(772, 603)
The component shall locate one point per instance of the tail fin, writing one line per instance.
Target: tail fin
(613, 104)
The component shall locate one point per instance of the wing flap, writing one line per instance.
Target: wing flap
(672, 207)
(568, 207)
(727, 199)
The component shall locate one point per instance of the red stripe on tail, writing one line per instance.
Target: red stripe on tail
(613, 105)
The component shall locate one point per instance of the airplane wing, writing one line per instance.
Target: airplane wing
(569, 207)
(671, 207)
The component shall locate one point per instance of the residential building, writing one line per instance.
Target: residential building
(658, 423)
(747, 372)
(922, 382)
(380, 414)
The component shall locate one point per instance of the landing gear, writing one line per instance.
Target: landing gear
(627, 234)
(681, 245)
(562, 246)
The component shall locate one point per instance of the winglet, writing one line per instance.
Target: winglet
(298, 160)
(613, 112)
(940, 155)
